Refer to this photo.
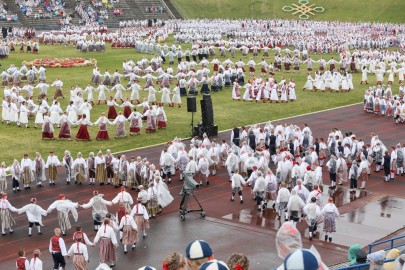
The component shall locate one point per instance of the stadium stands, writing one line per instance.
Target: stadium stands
(6, 14)
(52, 14)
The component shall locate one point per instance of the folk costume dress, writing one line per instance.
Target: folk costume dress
(83, 133)
(100, 165)
(120, 122)
(6, 220)
(112, 113)
(141, 217)
(78, 251)
(64, 132)
(161, 118)
(151, 120)
(47, 128)
(135, 120)
(127, 108)
(129, 230)
(102, 133)
(108, 240)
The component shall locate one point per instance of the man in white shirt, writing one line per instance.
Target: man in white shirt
(57, 248)
(237, 182)
(259, 190)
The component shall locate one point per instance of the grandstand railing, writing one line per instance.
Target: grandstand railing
(370, 250)
(360, 266)
(391, 241)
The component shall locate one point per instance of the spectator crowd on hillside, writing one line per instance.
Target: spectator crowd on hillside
(5, 15)
(154, 9)
(40, 9)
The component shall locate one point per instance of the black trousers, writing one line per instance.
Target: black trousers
(332, 177)
(168, 174)
(16, 184)
(294, 216)
(58, 260)
(387, 171)
(110, 172)
(249, 172)
(31, 224)
(313, 228)
(353, 183)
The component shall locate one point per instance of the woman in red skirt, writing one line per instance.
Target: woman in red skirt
(135, 120)
(112, 113)
(47, 128)
(127, 105)
(102, 122)
(150, 120)
(161, 117)
(64, 132)
(83, 133)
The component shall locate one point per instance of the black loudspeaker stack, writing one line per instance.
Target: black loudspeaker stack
(4, 31)
(191, 104)
(209, 130)
(207, 115)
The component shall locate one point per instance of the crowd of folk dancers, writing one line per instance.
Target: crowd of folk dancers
(18, 102)
(380, 100)
(296, 156)
(130, 223)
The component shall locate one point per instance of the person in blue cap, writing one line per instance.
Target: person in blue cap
(147, 267)
(197, 253)
(214, 265)
(301, 259)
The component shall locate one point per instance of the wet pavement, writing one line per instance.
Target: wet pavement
(362, 225)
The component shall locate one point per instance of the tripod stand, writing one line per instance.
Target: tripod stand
(192, 125)
(183, 206)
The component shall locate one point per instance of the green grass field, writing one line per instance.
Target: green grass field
(343, 10)
(16, 141)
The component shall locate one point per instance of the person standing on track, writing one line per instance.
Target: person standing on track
(57, 248)
(108, 242)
